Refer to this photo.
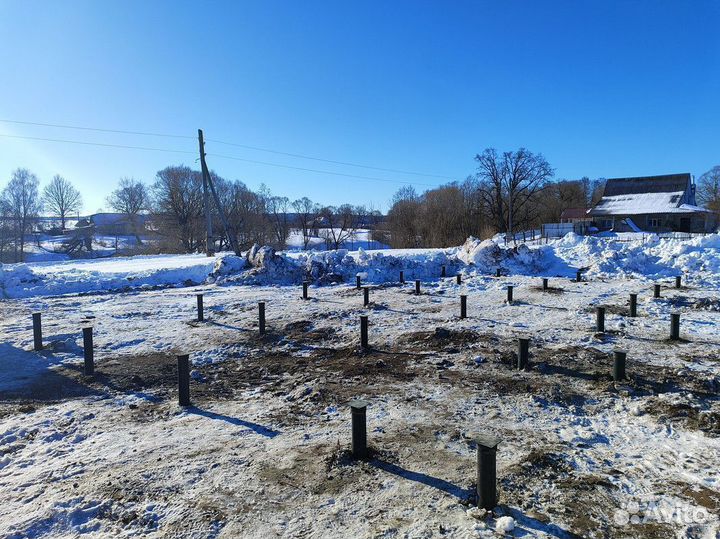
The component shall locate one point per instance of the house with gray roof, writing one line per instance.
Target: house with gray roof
(651, 204)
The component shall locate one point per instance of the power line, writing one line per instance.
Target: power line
(245, 146)
(345, 163)
(97, 129)
(266, 163)
(97, 144)
(317, 171)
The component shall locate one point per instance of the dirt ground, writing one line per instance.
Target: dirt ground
(264, 449)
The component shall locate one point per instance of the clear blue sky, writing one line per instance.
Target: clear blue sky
(602, 89)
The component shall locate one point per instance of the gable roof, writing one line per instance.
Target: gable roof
(574, 213)
(671, 193)
(668, 183)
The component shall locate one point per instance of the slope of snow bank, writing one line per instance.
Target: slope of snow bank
(654, 258)
(698, 258)
(75, 276)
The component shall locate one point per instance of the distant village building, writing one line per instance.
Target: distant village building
(651, 204)
(118, 224)
(575, 215)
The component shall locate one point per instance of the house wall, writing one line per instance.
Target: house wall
(658, 222)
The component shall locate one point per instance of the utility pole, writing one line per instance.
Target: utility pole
(206, 197)
(208, 185)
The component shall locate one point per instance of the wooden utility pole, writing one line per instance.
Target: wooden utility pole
(206, 198)
(208, 186)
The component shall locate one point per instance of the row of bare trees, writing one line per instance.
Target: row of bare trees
(21, 203)
(175, 203)
(510, 192)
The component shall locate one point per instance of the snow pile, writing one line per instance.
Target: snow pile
(80, 276)
(505, 525)
(226, 265)
(602, 257)
(487, 255)
(377, 267)
(652, 258)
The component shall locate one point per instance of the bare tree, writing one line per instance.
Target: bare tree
(510, 182)
(130, 199)
(708, 189)
(61, 198)
(178, 204)
(278, 212)
(307, 212)
(403, 218)
(23, 204)
(342, 223)
(6, 229)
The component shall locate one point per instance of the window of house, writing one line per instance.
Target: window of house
(653, 222)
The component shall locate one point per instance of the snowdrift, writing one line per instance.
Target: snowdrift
(652, 258)
(600, 257)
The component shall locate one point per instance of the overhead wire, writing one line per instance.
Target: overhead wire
(220, 156)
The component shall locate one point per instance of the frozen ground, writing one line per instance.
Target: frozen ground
(263, 451)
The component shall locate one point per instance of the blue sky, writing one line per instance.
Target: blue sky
(602, 89)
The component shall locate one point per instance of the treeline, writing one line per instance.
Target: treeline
(21, 203)
(175, 202)
(509, 192)
(171, 210)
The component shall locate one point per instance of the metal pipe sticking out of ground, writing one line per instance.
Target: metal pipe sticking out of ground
(37, 331)
(523, 352)
(364, 332)
(487, 471)
(261, 317)
(200, 311)
(88, 352)
(359, 428)
(184, 379)
(619, 358)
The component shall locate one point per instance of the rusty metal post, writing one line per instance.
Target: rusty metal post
(510, 293)
(458, 278)
(463, 306)
(366, 296)
(417, 287)
(305, 290)
(656, 291)
(357, 282)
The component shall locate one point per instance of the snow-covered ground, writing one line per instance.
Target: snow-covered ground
(263, 452)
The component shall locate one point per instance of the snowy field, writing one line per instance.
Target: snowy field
(263, 451)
